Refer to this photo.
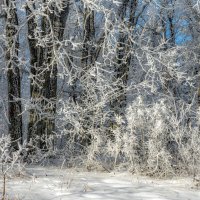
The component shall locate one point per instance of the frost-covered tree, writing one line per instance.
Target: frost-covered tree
(46, 24)
(13, 73)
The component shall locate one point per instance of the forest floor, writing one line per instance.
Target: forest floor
(40, 183)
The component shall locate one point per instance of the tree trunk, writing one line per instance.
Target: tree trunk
(122, 60)
(87, 60)
(44, 69)
(13, 75)
(88, 38)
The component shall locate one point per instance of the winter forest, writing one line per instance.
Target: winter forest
(104, 85)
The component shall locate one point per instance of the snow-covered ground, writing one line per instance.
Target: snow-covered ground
(51, 184)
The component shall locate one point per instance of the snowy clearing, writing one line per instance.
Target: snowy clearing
(51, 183)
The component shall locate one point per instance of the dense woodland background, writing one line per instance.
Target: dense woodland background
(101, 83)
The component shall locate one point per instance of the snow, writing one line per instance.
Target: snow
(51, 183)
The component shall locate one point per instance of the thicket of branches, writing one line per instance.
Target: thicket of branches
(112, 84)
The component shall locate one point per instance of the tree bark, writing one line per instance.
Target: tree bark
(13, 75)
(87, 60)
(88, 39)
(44, 68)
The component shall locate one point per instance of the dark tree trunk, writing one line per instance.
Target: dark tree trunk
(44, 70)
(122, 59)
(87, 60)
(88, 39)
(169, 85)
(171, 17)
(13, 75)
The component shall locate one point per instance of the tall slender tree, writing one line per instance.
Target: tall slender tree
(88, 38)
(13, 74)
(87, 60)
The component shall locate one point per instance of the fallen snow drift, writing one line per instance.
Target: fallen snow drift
(47, 184)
